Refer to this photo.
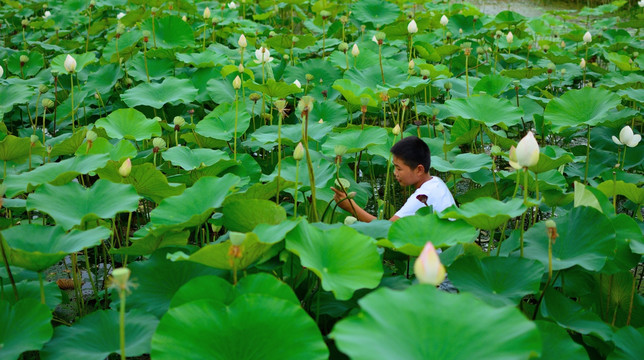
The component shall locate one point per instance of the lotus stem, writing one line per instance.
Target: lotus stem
(89, 24)
(323, 36)
(309, 163)
(630, 306)
(205, 29)
(525, 201)
(387, 177)
(89, 274)
(382, 72)
(71, 79)
(154, 35)
(588, 157)
(235, 130)
(621, 167)
(491, 242)
(279, 156)
(6, 265)
(297, 170)
(122, 322)
(145, 60)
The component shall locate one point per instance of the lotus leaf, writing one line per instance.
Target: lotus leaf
(129, 124)
(24, 326)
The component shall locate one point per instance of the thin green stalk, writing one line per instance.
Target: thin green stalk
(525, 201)
(122, 323)
(6, 266)
(309, 163)
(297, 170)
(236, 117)
(42, 288)
(71, 79)
(588, 157)
(279, 156)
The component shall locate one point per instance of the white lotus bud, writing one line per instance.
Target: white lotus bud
(206, 13)
(237, 83)
(355, 51)
(587, 37)
(412, 28)
(242, 41)
(509, 37)
(444, 20)
(582, 63)
(70, 64)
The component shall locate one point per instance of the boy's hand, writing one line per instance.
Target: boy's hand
(338, 196)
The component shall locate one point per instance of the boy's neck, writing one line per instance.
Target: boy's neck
(423, 178)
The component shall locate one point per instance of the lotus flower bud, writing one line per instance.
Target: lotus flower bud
(297, 83)
(563, 44)
(428, 268)
(587, 37)
(70, 64)
(46, 14)
(321, 121)
(509, 37)
(396, 130)
(355, 51)
(448, 86)
(412, 64)
(240, 68)
(126, 168)
(120, 15)
(242, 41)
(158, 143)
(1, 71)
(444, 20)
(237, 83)
(90, 135)
(206, 13)
(47, 103)
(184, 18)
(298, 153)
(582, 63)
(24, 59)
(412, 28)
(527, 151)
(232, 5)
(349, 220)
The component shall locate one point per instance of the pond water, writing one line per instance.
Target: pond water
(529, 8)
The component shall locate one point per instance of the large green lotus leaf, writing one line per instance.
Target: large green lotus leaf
(27, 69)
(409, 87)
(623, 62)
(14, 94)
(96, 336)
(410, 233)
(259, 190)
(68, 143)
(570, 315)
(631, 191)
(72, 204)
(149, 243)
(170, 32)
(586, 238)
(498, 281)
(117, 152)
(192, 207)
(355, 139)
(104, 79)
(272, 234)
(24, 326)
(36, 247)
(171, 91)
(189, 159)
(469, 328)
(629, 343)
(82, 60)
(273, 89)
(220, 124)
(16, 149)
(57, 173)
(557, 344)
(253, 326)
(372, 77)
(147, 180)
(354, 93)
(492, 84)
(547, 163)
(158, 279)
(220, 290)
(157, 69)
(31, 290)
(323, 170)
(204, 59)
(487, 110)
(376, 12)
(342, 258)
(463, 163)
(588, 106)
(244, 215)
(486, 213)
(266, 136)
(628, 238)
(219, 255)
(129, 124)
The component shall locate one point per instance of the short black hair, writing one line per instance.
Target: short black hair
(413, 152)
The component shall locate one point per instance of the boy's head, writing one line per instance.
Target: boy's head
(411, 160)
(413, 152)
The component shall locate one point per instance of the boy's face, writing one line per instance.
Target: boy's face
(406, 175)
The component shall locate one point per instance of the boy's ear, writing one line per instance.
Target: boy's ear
(420, 169)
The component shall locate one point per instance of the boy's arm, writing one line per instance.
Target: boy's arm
(346, 204)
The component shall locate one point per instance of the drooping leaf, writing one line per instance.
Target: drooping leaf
(24, 326)
(485, 212)
(588, 106)
(147, 180)
(170, 91)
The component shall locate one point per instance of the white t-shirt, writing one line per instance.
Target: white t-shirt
(438, 196)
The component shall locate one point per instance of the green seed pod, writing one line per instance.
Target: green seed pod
(90, 135)
(42, 88)
(24, 59)
(47, 103)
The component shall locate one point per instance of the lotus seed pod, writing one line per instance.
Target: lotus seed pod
(480, 50)
(237, 83)
(424, 73)
(546, 47)
(339, 150)
(25, 23)
(380, 36)
(448, 35)
(146, 33)
(343, 47)
(309, 77)
(237, 238)
(295, 39)
(267, 117)
(551, 223)
(126, 168)
(33, 139)
(280, 105)
(305, 104)
(440, 127)
(158, 142)
(47, 103)
(495, 150)
(325, 14)
(349, 220)
(178, 121)
(43, 89)
(396, 130)
(355, 51)
(153, 11)
(120, 29)
(298, 153)
(120, 277)
(435, 111)
(254, 97)
(563, 72)
(447, 86)
(90, 135)
(24, 59)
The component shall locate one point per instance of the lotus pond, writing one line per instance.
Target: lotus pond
(167, 169)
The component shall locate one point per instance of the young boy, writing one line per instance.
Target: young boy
(411, 161)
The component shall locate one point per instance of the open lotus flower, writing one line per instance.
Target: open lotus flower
(263, 55)
(70, 64)
(428, 267)
(232, 5)
(412, 28)
(120, 15)
(627, 137)
(587, 37)
(526, 153)
(46, 14)
(444, 20)
(297, 83)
